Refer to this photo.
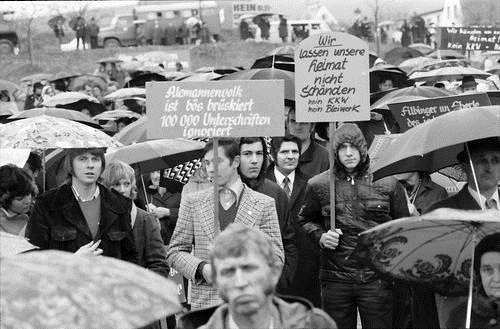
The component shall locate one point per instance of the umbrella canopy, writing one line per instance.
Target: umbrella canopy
(44, 132)
(203, 76)
(433, 64)
(37, 77)
(58, 113)
(150, 68)
(215, 69)
(157, 154)
(12, 245)
(413, 63)
(283, 50)
(64, 75)
(434, 249)
(92, 107)
(449, 73)
(126, 93)
(436, 143)
(397, 55)
(116, 114)
(135, 132)
(282, 62)
(93, 79)
(109, 60)
(68, 98)
(7, 109)
(422, 47)
(398, 99)
(424, 91)
(140, 80)
(11, 87)
(267, 74)
(446, 54)
(52, 22)
(56, 289)
(381, 72)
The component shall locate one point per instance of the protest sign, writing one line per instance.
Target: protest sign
(470, 38)
(215, 109)
(414, 113)
(332, 79)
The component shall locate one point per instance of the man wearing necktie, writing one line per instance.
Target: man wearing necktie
(485, 156)
(195, 229)
(253, 165)
(285, 152)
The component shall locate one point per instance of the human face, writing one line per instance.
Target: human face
(20, 204)
(490, 273)
(123, 186)
(287, 158)
(385, 85)
(155, 177)
(97, 92)
(86, 168)
(246, 283)
(487, 168)
(349, 156)
(252, 157)
(227, 171)
(301, 130)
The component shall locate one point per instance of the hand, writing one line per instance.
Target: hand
(90, 249)
(330, 239)
(151, 207)
(161, 212)
(207, 273)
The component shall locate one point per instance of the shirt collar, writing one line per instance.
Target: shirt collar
(80, 199)
(236, 187)
(480, 199)
(280, 177)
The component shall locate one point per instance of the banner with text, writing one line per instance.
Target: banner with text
(332, 79)
(470, 38)
(215, 109)
(412, 114)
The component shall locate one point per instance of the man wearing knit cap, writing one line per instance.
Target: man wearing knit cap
(469, 84)
(348, 285)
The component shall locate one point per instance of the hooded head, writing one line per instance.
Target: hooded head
(350, 133)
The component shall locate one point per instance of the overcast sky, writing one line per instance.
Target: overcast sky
(342, 9)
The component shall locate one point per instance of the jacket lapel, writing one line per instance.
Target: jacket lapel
(246, 210)
(207, 212)
(65, 202)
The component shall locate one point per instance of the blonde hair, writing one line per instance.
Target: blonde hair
(117, 170)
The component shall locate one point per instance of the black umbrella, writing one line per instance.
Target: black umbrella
(94, 108)
(282, 62)
(140, 80)
(381, 72)
(54, 20)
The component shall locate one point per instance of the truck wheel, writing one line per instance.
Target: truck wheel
(6, 47)
(111, 43)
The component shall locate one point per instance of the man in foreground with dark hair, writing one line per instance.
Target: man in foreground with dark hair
(245, 270)
(83, 216)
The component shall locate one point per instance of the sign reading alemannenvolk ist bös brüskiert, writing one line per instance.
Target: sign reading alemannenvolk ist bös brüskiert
(332, 79)
(215, 109)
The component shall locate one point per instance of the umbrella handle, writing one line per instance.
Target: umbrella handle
(471, 281)
(474, 176)
(145, 193)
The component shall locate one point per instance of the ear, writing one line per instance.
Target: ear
(236, 161)
(276, 273)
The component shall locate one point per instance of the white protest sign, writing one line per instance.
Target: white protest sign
(332, 79)
(248, 108)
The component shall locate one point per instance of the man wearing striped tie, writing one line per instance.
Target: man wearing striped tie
(485, 156)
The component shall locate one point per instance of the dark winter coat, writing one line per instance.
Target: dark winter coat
(57, 222)
(360, 204)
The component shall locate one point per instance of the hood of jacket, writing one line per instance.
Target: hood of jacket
(350, 133)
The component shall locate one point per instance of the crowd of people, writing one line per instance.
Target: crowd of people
(271, 257)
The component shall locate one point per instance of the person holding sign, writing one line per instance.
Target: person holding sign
(347, 284)
(196, 222)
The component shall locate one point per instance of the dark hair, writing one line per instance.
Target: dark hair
(34, 161)
(71, 154)
(37, 85)
(276, 143)
(490, 243)
(229, 145)
(14, 182)
(251, 140)
(5, 93)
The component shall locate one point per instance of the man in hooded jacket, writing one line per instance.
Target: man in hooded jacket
(348, 285)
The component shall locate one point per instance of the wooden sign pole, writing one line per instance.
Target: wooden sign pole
(216, 186)
(332, 127)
